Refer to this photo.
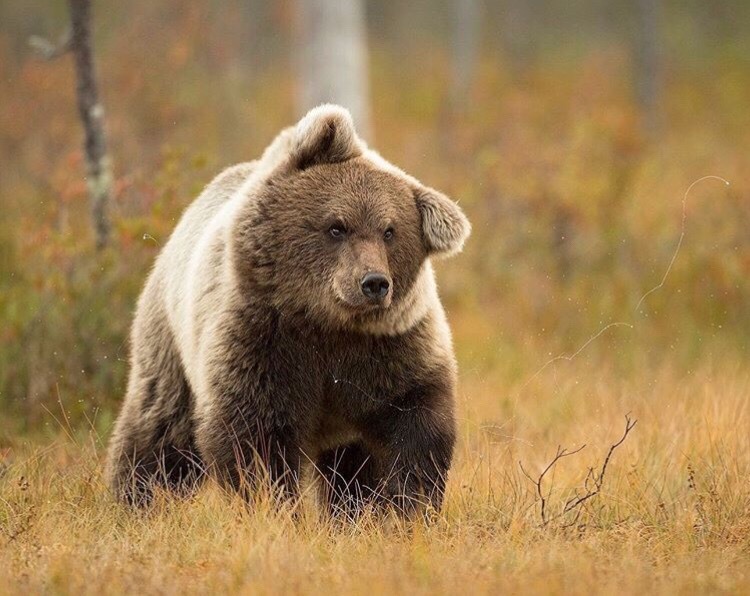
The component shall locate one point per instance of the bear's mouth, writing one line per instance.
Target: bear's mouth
(362, 310)
(360, 307)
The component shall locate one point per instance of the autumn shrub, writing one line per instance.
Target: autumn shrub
(577, 207)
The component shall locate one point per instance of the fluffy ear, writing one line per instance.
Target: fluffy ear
(444, 226)
(325, 135)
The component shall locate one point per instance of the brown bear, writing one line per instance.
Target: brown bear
(292, 323)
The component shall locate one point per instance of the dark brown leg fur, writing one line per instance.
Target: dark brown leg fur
(153, 442)
(243, 453)
(413, 444)
(349, 482)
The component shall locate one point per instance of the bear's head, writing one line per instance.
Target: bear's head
(335, 232)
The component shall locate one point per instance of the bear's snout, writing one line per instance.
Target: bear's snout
(376, 286)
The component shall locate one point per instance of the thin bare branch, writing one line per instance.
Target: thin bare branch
(592, 483)
(561, 453)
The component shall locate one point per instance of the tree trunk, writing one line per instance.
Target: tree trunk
(465, 46)
(333, 58)
(648, 63)
(98, 166)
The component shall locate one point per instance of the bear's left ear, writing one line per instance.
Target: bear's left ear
(325, 135)
(445, 228)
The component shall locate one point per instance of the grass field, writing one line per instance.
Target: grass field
(672, 516)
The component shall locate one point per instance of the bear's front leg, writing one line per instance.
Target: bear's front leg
(246, 451)
(255, 408)
(412, 439)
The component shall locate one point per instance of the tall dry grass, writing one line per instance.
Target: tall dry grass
(673, 515)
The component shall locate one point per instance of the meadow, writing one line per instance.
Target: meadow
(579, 210)
(671, 516)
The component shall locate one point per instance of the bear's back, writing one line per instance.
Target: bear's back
(185, 271)
(195, 220)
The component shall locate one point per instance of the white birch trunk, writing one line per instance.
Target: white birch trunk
(465, 48)
(98, 166)
(332, 60)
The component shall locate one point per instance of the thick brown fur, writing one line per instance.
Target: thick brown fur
(256, 352)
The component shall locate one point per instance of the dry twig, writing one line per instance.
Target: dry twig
(592, 484)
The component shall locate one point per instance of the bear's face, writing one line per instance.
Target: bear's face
(351, 244)
(340, 235)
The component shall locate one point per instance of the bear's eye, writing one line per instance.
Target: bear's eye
(388, 234)
(337, 230)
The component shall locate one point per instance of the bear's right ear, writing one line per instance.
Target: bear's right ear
(325, 135)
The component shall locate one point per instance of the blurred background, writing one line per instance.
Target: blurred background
(569, 131)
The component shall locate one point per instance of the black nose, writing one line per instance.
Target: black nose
(375, 286)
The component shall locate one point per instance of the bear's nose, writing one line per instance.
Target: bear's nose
(375, 286)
